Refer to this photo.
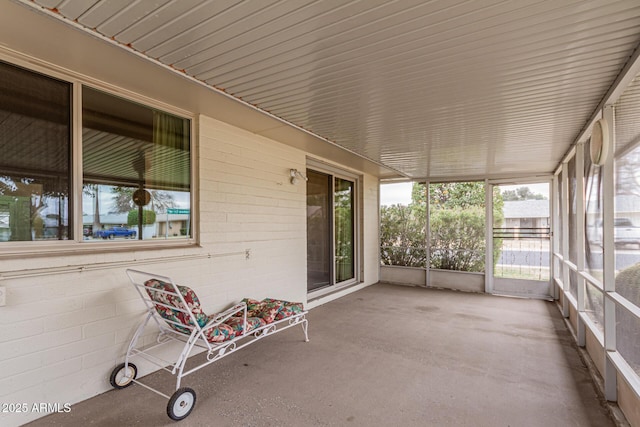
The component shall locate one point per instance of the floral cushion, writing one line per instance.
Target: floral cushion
(259, 313)
(270, 309)
(253, 307)
(266, 309)
(290, 309)
(193, 304)
(219, 333)
(237, 324)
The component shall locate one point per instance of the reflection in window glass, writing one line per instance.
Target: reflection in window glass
(594, 257)
(403, 224)
(319, 230)
(594, 306)
(35, 142)
(573, 225)
(558, 224)
(457, 226)
(136, 170)
(626, 235)
(344, 229)
(626, 230)
(593, 216)
(628, 337)
(118, 215)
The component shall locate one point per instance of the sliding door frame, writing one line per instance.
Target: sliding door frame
(336, 172)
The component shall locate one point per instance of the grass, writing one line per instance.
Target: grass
(521, 272)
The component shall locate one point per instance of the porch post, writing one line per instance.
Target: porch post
(488, 235)
(581, 329)
(565, 238)
(554, 241)
(609, 273)
(427, 238)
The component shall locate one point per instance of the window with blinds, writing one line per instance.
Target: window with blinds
(136, 170)
(135, 182)
(35, 165)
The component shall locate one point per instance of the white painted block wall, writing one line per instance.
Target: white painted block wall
(61, 334)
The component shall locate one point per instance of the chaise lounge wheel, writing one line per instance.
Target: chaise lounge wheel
(181, 403)
(121, 377)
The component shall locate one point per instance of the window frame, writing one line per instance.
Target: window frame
(338, 172)
(44, 73)
(76, 244)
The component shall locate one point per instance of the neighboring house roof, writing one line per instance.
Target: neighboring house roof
(526, 209)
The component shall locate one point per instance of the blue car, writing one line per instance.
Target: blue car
(114, 232)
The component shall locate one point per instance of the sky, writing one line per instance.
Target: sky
(394, 194)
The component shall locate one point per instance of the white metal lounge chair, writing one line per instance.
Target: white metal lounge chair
(176, 311)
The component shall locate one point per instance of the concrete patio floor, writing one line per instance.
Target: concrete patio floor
(384, 356)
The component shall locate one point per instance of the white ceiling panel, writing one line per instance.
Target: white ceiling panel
(159, 20)
(432, 89)
(105, 15)
(627, 123)
(73, 9)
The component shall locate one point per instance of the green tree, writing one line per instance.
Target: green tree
(521, 193)
(148, 217)
(458, 238)
(402, 231)
(343, 201)
(25, 207)
(457, 221)
(456, 195)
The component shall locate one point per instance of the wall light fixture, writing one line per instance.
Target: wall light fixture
(295, 174)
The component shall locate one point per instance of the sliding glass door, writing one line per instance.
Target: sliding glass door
(331, 237)
(344, 238)
(319, 220)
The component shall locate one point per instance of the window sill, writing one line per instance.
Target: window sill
(66, 248)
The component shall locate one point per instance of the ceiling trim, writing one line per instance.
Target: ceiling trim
(524, 177)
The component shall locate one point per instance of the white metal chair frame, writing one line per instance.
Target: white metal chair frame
(181, 402)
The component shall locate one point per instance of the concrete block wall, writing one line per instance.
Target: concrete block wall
(248, 203)
(62, 333)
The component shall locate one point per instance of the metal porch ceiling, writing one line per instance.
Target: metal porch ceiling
(433, 89)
